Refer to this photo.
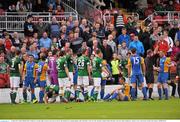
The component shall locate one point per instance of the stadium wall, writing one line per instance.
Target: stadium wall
(5, 98)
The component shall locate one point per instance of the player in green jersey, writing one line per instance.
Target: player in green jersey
(15, 64)
(63, 77)
(96, 73)
(70, 64)
(84, 73)
(51, 92)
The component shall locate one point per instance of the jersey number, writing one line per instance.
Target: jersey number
(80, 63)
(136, 60)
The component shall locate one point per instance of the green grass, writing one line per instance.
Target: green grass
(94, 110)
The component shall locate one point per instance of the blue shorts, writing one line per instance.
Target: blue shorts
(42, 83)
(163, 77)
(103, 82)
(29, 81)
(139, 79)
(126, 98)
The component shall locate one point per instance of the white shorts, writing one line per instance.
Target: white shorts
(97, 81)
(83, 80)
(14, 81)
(64, 82)
(71, 76)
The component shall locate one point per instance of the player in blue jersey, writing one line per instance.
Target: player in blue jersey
(30, 78)
(165, 63)
(42, 71)
(136, 71)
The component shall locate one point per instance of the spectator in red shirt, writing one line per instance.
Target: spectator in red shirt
(7, 42)
(163, 45)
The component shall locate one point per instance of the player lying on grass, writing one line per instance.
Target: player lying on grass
(121, 93)
(51, 92)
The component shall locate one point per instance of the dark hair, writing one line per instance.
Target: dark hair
(98, 51)
(149, 51)
(133, 50)
(18, 52)
(29, 16)
(43, 57)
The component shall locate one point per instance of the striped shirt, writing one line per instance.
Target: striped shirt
(119, 21)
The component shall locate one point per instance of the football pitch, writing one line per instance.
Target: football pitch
(164, 109)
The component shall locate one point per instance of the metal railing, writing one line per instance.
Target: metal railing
(13, 21)
(163, 16)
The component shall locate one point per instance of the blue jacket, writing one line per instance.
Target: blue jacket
(125, 38)
(138, 45)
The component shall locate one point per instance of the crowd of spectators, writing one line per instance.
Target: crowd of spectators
(111, 38)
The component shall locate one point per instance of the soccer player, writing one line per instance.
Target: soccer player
(96, 73)
(149, 63)
(52, 92)
(165, 63)
(15, 63)
(52, 68)
(83, 63)
(30, 78)
(63, 77)
(121, 93)
(70, 64)
(136, 70)
(42, 70)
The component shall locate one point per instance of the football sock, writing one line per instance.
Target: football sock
(11, 96)
(14, 97)
(95, 95)
(133, 91)
(86, 95)
(92, 91)
(32, 96)
(114, 96)
(166, 93)
(107, 96)
(150, 92)
(144, 92)
(159, 92)
(41, 96)
(102, 93)
(25, 96)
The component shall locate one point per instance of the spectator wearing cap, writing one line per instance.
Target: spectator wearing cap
(137, 45)
(29, 27)
(54, 28)
(124, 37)
(45, 41)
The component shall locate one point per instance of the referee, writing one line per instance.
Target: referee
(149, 75)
